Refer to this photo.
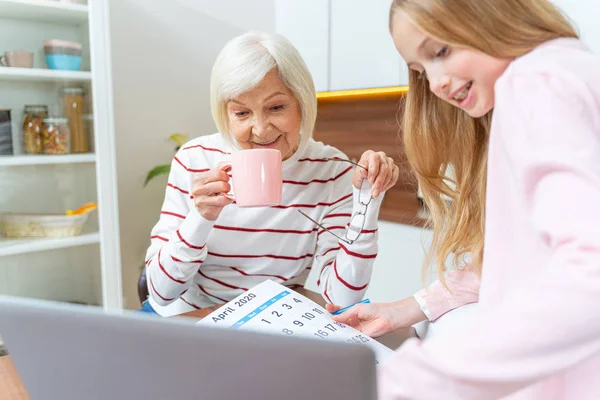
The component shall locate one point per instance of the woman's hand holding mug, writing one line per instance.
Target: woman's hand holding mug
(257, 182)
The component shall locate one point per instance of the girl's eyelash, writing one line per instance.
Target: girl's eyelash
(442, 52)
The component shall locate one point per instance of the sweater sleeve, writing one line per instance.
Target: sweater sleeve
(345, 269)
(437, 299)
(178, 241)
(541, 327)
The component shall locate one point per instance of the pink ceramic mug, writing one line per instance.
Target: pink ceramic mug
(257, 177)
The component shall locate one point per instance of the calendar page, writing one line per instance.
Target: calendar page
(274, 308)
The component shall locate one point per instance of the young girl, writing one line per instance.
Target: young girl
(505, 94)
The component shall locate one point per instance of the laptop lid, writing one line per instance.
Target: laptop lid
(64, 351)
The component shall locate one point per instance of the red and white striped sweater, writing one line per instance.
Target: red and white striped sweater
(194, 263)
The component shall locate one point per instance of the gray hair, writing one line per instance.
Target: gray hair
(243, 63)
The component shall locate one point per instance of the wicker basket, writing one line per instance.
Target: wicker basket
(42, 226)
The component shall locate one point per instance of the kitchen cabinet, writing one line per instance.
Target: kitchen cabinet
(306, 24)
(362, 53)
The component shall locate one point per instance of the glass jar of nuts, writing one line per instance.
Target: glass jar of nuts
(33, 123)
(56, 136)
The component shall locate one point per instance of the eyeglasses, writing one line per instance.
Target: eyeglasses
(357, 222)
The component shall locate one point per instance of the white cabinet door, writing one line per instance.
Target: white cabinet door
(306, 24)
(397, 269)
(362, 53)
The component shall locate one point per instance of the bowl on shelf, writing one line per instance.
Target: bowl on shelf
(42, 225)
(63, 55)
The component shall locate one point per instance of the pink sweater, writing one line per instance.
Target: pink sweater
(537, 333)
(436, 300)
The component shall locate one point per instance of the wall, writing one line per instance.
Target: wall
(584, 14)
(162, 55)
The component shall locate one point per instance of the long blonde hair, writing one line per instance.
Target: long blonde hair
(440, 137)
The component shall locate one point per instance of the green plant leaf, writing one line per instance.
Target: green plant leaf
(180, 138)
(156, 171)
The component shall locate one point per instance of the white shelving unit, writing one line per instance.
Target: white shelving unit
(11, 161)
(43, 75)
(88, 263)
(45, 11)
(10, 247)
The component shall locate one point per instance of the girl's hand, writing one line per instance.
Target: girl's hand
(377, 319)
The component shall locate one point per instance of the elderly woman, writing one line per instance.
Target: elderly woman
(206, 250)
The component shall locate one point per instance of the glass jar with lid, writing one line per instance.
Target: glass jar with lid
(56, 136)
(73, 103)
(33, 123)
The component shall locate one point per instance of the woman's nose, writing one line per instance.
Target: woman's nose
(260, 126)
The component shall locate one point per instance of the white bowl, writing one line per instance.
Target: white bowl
(42, 225)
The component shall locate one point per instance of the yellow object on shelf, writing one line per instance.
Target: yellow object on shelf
(86, 208)
(363, 93)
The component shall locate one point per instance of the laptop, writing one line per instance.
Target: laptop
(64, 351)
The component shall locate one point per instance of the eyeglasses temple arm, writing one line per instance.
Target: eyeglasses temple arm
(348, 161)
(323, 227)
